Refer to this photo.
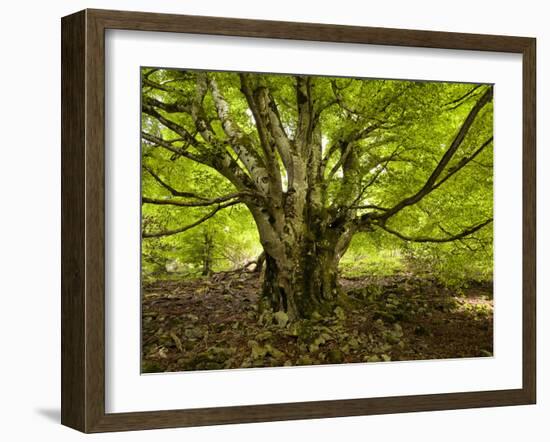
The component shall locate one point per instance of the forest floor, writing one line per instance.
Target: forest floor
(213, 323)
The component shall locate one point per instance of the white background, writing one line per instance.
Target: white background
(128, 391)
(29, 323)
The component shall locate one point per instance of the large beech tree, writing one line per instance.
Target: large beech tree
(318, 159)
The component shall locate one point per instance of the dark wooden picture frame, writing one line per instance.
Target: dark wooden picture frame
(83, 216)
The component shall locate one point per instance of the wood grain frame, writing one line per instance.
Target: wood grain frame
(83, 216)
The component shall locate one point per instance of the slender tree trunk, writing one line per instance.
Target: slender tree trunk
(207, 255)
(260, 261)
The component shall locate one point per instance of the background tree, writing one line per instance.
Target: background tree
(315, 161)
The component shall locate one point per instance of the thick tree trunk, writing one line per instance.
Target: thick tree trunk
(305, 281)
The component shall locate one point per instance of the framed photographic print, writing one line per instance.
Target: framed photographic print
(267, 221)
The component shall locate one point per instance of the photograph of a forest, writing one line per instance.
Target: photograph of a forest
(295, 220)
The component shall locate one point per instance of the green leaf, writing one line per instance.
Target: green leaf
(281, 318)
(340, 314)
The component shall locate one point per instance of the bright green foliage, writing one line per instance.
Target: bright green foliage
(401, 130)
(233, 236)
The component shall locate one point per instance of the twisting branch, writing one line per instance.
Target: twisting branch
(282, 142)
(445, 159)
(464, 241)
(201, 203)
(178, 106)
(381, 165)
(221, 160)
(151, 72)
(369, 206)
(189, 226)
(212, 151)
(458, 236)
(328, 154)
(344, 145)
(257, 98)
(168, 187)
(462, 163)
(179, 151)
(459, 99)
(338, 96)
(174, 127)
(345, 150)
(306, 117)
(240, 143)
(161, 87)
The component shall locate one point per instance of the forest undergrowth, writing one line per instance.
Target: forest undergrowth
(213, 323)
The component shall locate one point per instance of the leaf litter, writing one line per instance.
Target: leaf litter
(214, 323)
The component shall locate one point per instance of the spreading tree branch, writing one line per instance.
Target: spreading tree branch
(173, 126)
(256, 97)
(239, 142)
(282, 142)
(178, 106)
(451, 238)
(345, 150)
(201, 203)
(460, 99)
(212, 154)
(370, 206)
(146, 81)
(462, 163)
(189, 226)
(306, 120)
(444, 161)
(177, 151)
(164, 184)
